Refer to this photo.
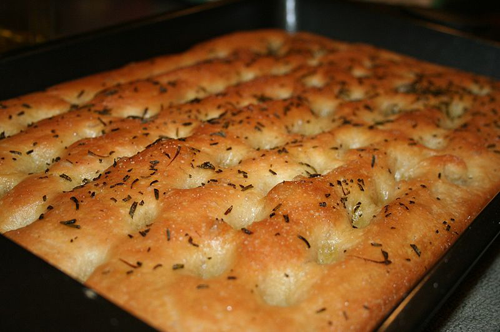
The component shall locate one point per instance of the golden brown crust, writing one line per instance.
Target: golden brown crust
(255, 182)
(82, 90)
(17, 113)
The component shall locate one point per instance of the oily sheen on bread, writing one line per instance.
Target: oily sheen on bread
(259, 181)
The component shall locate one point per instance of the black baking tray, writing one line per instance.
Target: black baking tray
(37, 296)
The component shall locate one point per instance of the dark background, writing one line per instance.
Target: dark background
(29, 22)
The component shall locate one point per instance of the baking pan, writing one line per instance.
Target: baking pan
(36, 296)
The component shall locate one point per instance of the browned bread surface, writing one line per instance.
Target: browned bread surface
(256, 182)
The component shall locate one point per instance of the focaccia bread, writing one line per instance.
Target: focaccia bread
(260, 181)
